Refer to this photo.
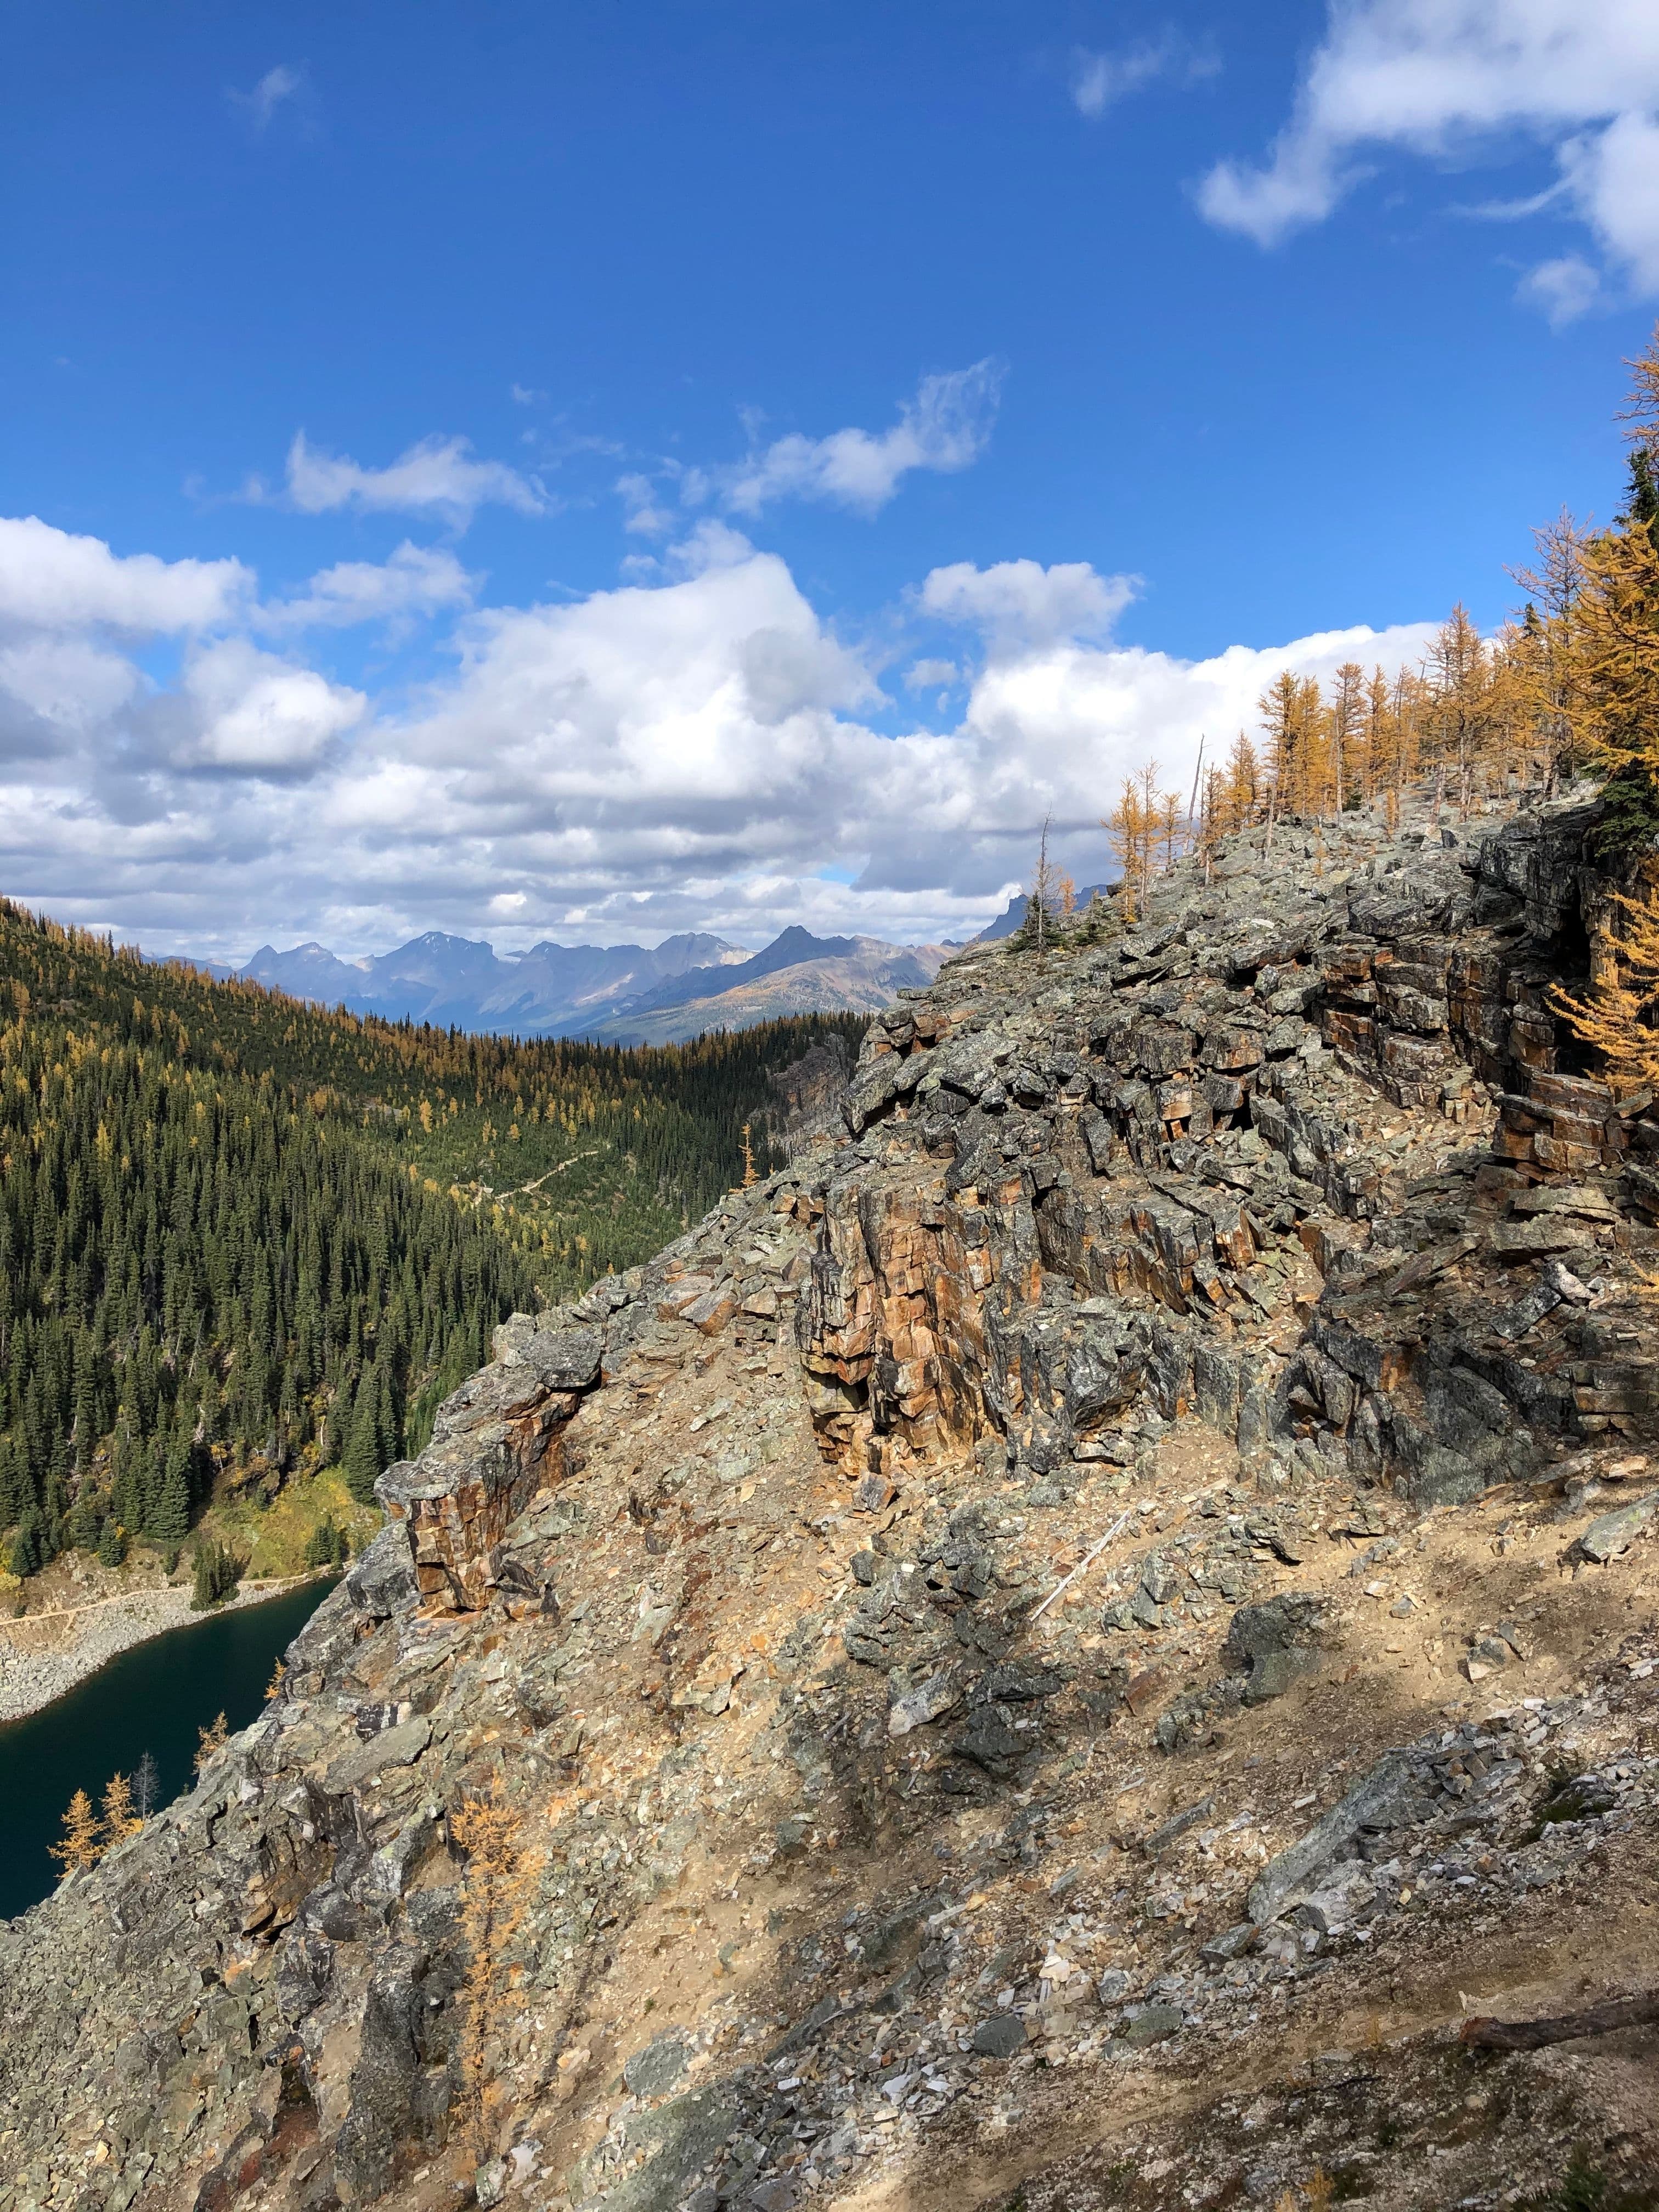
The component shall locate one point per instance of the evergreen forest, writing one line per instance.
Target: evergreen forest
(241, 1237)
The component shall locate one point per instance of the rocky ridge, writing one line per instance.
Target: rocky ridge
(1058, 1648)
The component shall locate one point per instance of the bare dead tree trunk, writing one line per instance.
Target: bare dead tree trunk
(1043, 891)
(1485, 2034)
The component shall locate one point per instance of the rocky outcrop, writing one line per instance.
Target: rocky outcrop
(495, 1445)
(1086, 1196)
(1092, 1582)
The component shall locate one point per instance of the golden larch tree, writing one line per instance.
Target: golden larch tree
(1545, 665)
(1460, 718)
(1618, 1022)
(1610, 699)
(1126, 826)
(211, 1740)
(495, 1891)
(82, 1845)
(1346, 721)
(119, 1819)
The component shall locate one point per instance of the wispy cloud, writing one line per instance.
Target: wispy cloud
(435, 475)
(1099, 80)
(1437, 79)
(286, 81)
(643, 509)
(1562, 290)
(944, 428)
(416, 581)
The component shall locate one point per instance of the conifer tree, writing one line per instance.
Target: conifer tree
(210, 1741)
(1460, 714)
(1040, 900)
(119, 1819)
(362, 1454)
(1243, 784)
(26, 1547)
(1126, 827)
(1609, 665)
(1544, 665)
(216, 1572)
(81, 1846)
(496, 1891)
(167, 1519)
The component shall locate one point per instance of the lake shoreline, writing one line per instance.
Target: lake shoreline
(37, 1667)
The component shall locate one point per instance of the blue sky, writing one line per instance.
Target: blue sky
(609, 411)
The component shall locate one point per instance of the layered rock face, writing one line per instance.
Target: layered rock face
(1055, 1651)
(1098, 1191)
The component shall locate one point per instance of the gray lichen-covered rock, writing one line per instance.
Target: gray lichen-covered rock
(1293, 1874)
(1274, 1643)
(1610, 1533)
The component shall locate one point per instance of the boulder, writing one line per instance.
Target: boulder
(1610, 1533)
(1274, 1643)
(1294, 1874)
(1000, 2037)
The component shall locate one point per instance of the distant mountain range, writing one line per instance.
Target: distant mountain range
(617, 993)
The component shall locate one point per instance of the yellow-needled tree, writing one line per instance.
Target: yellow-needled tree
(119, 1819)
(1346, 725)
(1544, 665)
(1298, 749)
(1611, 704)
(81, 1845)
(1126, 827)
(1459, 716)
(496, 1890)
(1242, 785)
(1616, 1023)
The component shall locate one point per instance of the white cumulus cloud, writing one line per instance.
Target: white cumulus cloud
(1019, 605)
(434, 475)
(694, 752)
(51, 579)
(250, 712)
(1462, 78)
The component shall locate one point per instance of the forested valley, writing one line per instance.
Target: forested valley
(243, 1239)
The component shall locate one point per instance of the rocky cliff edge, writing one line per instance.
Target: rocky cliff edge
(1058, 1651)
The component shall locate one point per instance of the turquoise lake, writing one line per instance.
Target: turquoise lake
(153, 1698)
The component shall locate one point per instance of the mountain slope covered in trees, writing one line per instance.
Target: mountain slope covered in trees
(241, 1236)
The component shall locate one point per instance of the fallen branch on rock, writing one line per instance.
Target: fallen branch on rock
(1087, 1561)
